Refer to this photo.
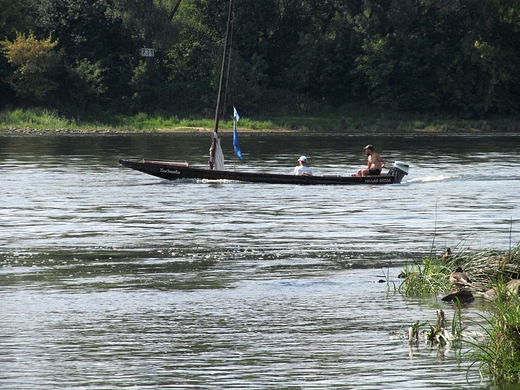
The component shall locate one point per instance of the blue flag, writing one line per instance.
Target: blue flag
(236, 145)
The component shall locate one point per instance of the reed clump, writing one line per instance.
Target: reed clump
(441, 334)
(499, 355)
(485, 268)
(427, 277)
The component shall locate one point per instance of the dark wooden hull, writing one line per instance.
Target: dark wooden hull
(176, 170)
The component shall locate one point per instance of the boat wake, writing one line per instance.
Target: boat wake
(441, 178)
(430, 179)
(219, 181)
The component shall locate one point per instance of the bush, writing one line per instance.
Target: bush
(34, 62)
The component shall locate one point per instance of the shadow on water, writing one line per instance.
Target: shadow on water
(107, 269)
(179, 268)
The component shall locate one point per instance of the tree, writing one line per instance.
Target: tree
(492, 42)
(153, 26)
(14, 16)
(456, 56)
(34, 62)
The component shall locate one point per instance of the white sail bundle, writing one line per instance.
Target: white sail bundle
(219, 156)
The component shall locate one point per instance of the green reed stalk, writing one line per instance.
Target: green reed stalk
(456, 323)
(499, 355)
(425, 278)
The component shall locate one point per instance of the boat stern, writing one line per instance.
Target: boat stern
(399, 170)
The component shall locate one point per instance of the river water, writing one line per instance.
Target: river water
(111, 278)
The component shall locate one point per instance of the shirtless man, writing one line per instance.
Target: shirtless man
(374, 165)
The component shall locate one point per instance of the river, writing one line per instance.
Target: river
(111, 278)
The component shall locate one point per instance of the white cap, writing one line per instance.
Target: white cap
(303, 158)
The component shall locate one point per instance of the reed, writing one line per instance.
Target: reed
(391, 287)
(442, 333)
(499, 355)
(427, 277)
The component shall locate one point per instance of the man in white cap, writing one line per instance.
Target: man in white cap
(302, 168)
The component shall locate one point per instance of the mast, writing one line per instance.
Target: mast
(222, 83)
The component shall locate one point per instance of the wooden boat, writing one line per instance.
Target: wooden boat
(181, 170)
(174, 170)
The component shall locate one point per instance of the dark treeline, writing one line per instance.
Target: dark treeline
(456, 57)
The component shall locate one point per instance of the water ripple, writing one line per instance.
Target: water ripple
(114, 279)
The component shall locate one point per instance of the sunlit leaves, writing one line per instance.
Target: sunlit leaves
(33, 60)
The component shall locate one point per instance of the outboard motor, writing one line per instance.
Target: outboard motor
(399, 170)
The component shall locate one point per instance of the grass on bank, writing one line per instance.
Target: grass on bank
(499, 355)
(27, 120)
(351, 118)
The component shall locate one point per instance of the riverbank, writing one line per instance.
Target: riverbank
(39, 121)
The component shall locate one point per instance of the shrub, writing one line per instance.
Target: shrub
(34, 61)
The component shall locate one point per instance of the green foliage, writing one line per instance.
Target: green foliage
(14, 17)
(499, 355)
(88, 79)
(425, 278)
(34, 119)
(98, 52)
(34, 61)
(453, 58)
(41, 119)
(494, 40)
(345, 120)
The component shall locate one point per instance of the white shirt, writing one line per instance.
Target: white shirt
(302, 169)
